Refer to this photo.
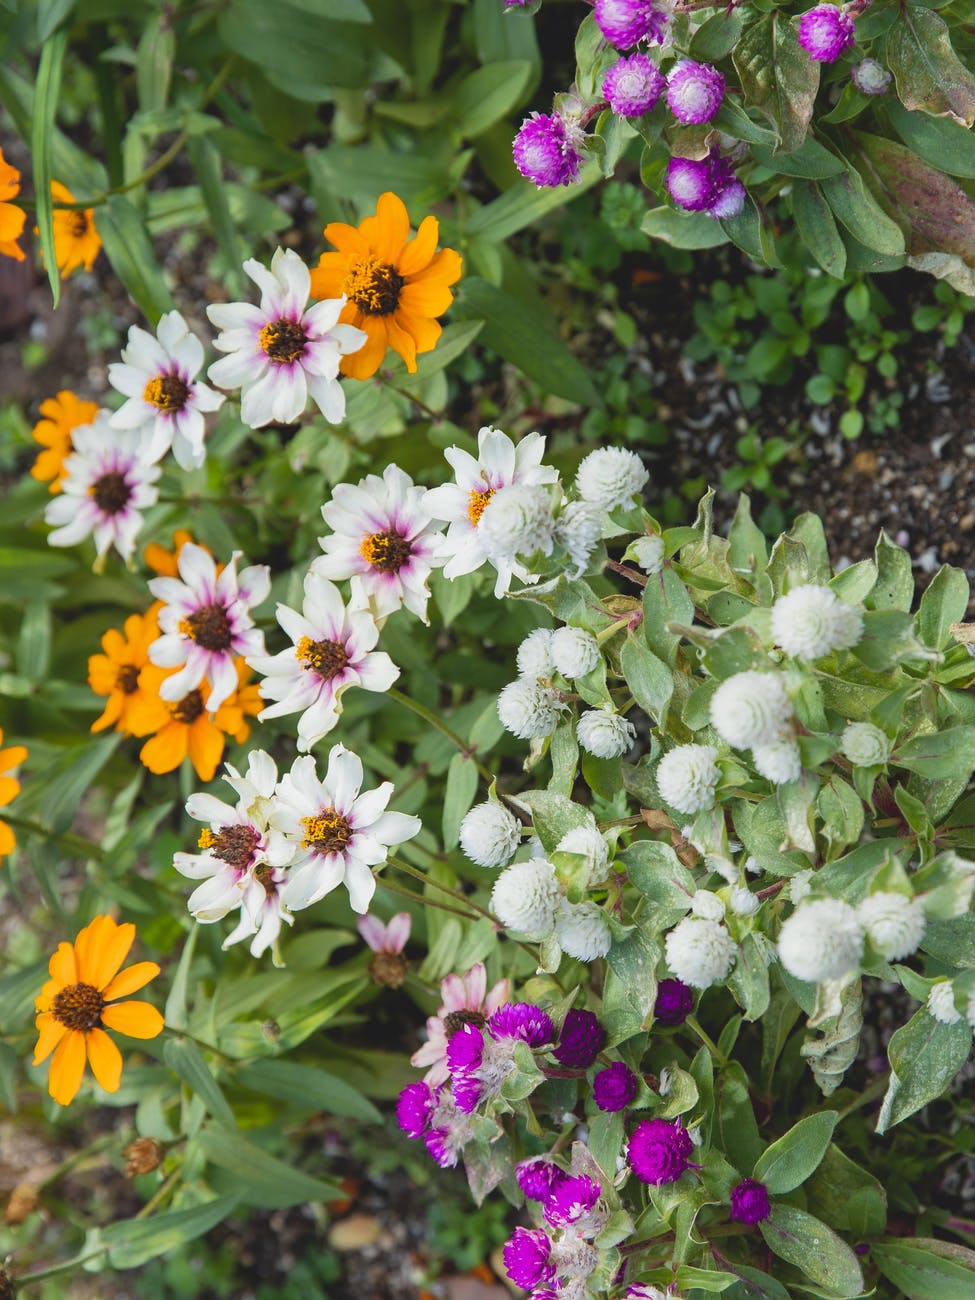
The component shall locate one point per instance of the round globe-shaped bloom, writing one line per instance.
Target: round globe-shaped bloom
(604, 734)
(893, 922)
(826, 32)
(580, 1040)
(689, 183)
(687, 777)
(527, 710)
(626, 23)
(941, 1003)
(870, 77)
(779, 760)
(523, 1021)
(583, 931)
(864, 745)
(659, 1151)
(811, 621)
(587, 842)
(728, 197)
(413, 1109)
(751, 708)
(546, 150)
(699, 952)
(615, 1087)
(525, 897)
(821, 940)
(648, 552)
(750, 1202)
(571, 1200)
(490, 834)
(694, 91)
(743, 902)
(534, 657)
(538, 1178)
(632, 85)
(526, 1257)
(610, 477)
(578, 530)
(574, 651)
(674, 1003)
(518, 520)
(707, 905)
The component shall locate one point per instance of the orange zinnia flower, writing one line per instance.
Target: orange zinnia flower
(62, 414)
(9, 790)
(166, 563)
(132, 709)
(76, 241)
(73, 1010)
(191, 730)
(11, 217)
(395, 285)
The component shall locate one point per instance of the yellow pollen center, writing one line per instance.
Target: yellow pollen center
(325, 658)
(167, 392)
(386, 551)
(283, 340)
(373, 286)
(477, 503)
(329, 832)
(207, 839)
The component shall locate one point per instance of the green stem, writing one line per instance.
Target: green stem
(423, 712)
(411, 397)
(444, 889)
(424, 899)
(57, 1269)
(161, 1193)
(71, 842)
(706, 1039)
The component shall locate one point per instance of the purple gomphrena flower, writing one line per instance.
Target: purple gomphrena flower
(659, 1151)
(694, 91)
(465, 1051)
(539, 1178)
(571, 1200)
(870, 77)
(633, 85)
(526, 1257)
(728, 191)
(523, 1021)
(580, 1041)
(826, 32)
(615, 1087)
(749, 1202)
(546, 150)
(626, 23)
(675, 1002)
(441, 1149)
(688, 182)
(413, 1109)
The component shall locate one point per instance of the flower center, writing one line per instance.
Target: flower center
(127, 679)
(264, 875)
(373, 286)
(209, 627)
(111, 493)
(189, 708)
(283, 340)
(326, 658)
(234, 845)
(477, 503)
(79, 1006)
(79, 224)
(168, 392)
(388, 969)
(454, 1021)
(387, 551)
(329, 832)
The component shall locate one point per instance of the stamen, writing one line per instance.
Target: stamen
(189, 708)
(477, 503)
(234, 845)
(209, 627)
(325, 658)
(373, 286)
(168, 392)
(127, 679)
(386, 551)
(111, 493)
(329, 832)
(283, 340)
(79, 1006)
(454, 1021)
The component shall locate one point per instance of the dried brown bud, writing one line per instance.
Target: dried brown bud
(23, 1199)
(142, 1156)
(6, 1286)
(388, 969)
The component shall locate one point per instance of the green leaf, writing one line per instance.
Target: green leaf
(846, 1196)
(831, 1047)
(817, 229)
(754, 1285)
(41, 143)
(807, 1242)
(488, 93)
(938, 140)
(134, 1242)
(553, 815)
(130, 251)
(650, 680)
(683, 229)
(154, 62)
(458, 796)
(630, 990)
(949, 753)
(778, 77)
(184, 1058)
(205, 158)
(50, 15)
(788, 1162)
(925, 1055)
(749, 980)
(928, 73)
(524, 204)
(656, 871)
(894, 588)
(811, 161)
(262, 1179)
(860, 213)
(717, 36)
(304, 52)
(308, 1086)
(944, 603)
(927, 1269)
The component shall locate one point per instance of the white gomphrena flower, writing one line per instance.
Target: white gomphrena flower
(753, 866)
(687, 777)
(970, 1010)
(527, 710)
(534, 656)
(708, 906)
(778, 760)
(811, 621)
(588, 843)
(578, 530)
(699, 952)
(490, 834)
(518, 520)
(575, 651)
(821, 940)
(610, 477)
(583, 931)
(526, 897)
(605, 734)
(893, 922)
(743, 902)
(751, 708)
(941, 1003)
(800, 885)
(864, 745)
(648, 553)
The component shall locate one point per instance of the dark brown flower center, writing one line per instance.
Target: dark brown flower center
(79, 224)
(326, 658)
(127, 679)
(189, 708)
(283, 340)
(79, 1006)
(111, 493)
(234, 845)
(168, 392)
(209, 627)
(329, 832)
(387, 551)
(454, 1021)
(388, 969)
(373, 286)
(264, 875)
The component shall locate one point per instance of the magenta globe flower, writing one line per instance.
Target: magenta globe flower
(826, 32)
(615, 1087)
(539, 1178)
(632, 85)
(413, 1109)
(750, 1202)
(526, 1258)
(546, 150)
(580, 1040)
(659, 1151)
(626, 23)
(694, 91)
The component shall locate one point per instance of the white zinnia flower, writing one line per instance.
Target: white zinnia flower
(648, 553)
(517, 521)
(527, 710)
(611, 477)
(707, 905)
(583, 931)
(699, 952)
(588, 843)
(166, 403)
(941, 1003)
(534, 656)
(490, 834)
(279, 353)
(893, 922)
(811, 621)
(778, 760)
(864, 745)
(751, 708)
(743, 902)
(526, 897)
(578, 530)
(687, 777)
(821, 940)
(575, 651)
(605, 734)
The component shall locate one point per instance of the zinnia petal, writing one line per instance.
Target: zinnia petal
(67, 1068)
(105, 1059)
(136, 1019)
(49, 1034)
(129, 980)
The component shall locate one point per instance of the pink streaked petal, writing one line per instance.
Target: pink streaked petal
(453, 991)
(475, 981)
(373, 932)
(398, 931)
(499, 995)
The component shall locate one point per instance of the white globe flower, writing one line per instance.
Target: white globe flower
(687, 776)
(821, 940)
(743, 902)
(526, 897)
(811, 621)
(490, 834)
(527, 710)
(778, 760)
(578, 530)
(864, 745)
(708, 906)
(970, 1011)
(699, 952)
(518, 521)
(753, 866)
(575, 651)
(605, 734)
(894, 923)
(648, 553)
(751, 708)
(941, 1003)
(588, 843)
(534, 658)
(611, 477)
(583, 931)
(799, 885)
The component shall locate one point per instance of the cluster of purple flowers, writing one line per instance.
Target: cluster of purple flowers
(625, 23)
(422, 1111)
(548, 1260)
(547, 149)
(705, 185)
(480, 1060)
(826, 32)
(633, 84)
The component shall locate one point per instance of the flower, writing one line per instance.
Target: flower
(413, 1109)
(941, 1003)
(864, 745)
(166, 563)
(615, 1087)
(465, 1000)
(707, 906)
(674, 1003)
(578, 530)
(547, 149)
(581, 1040)
(632, 85)
(586, 841)
(659, 1151)
(687, 777)
(518, 520)
(700, 952)
(750, 1202)
(538, 1178)
(192, 730)
(826, 32)
(500, 462)
(206, 623)
(388, 966)
(165, 403)
(332, 650)
(283, 351)
(694, 91)
(575, 651)
(490, 834)
(610, 477)
(76, 241)
(340, 831)
(821, 940)
(132, 708)
(603, 733)
(778, 760)
(107, 484)
(529, 711)
(705, 185)
(648, 553)
(384, 539)
(525, 897)
(583, 931)
(526, 1257)
(534, 657)
(393, 287)
(893, 922)
(751, 708)
(74, 1008)
(11, 217)
(9, 790)
(61, 415)
(523, 1022)
(870, 77)
(625, 23)
(571, 1200)
(743, 902)
(811, 621)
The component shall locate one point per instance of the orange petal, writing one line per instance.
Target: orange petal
(113, 643)
(105, 1059)
(63, 967)
(424, 331)
(206, 748)
(130, 979)
(8, 841)
(137, 1019)
(425, 297)
(67, 1067)
(165, 751)
(85, 945)
(49, 1034)
(346, 239)
(112, 712)
(365, 362)
(102, 672)
(9, 790)
(402, 343)
(392, 227)
(145, 713)
(419, 252)
(11, 757)
(111, 953)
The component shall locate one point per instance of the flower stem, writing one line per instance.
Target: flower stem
(428, 716)
(706, 1039)
(424, 899)
(444, 889)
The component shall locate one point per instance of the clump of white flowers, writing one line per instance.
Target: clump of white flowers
(700, 952)
(821, 940)
(610, 477)
(526, 897)
(534, 657)
(941, 1003)
(518, 521)
(490, 834)
(778, 760)
(578, 530)
(864, 745)
(604, 734)
(527, 710)
(893, 922)
(588, 843)
(811, 621)
(687, 777)
(743, 902)
(707, 906)
(751, 708)
(648, 552)
(574, 651)
(583, 931)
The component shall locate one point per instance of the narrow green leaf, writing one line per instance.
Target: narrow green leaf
(787, 1163)
(825, 1258)
(778, 77)
(927, 1269)
(925, 1055)
(184, 1058)
(130, 251)
(134, 1242)
(938, 140)
(42, 136)
(308, 1086)
(488, 93)
(262, 1179)
(205, 158)
(863, 217)
(459, 794)
(154, 62)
